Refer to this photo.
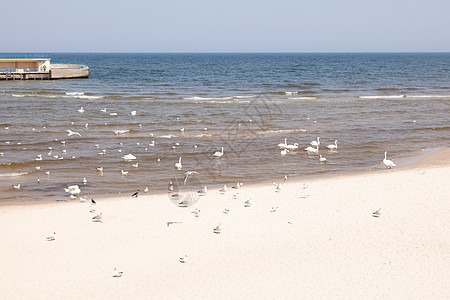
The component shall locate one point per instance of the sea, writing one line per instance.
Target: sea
(161, 107)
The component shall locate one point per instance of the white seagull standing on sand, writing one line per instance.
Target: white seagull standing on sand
(218, 229)
(248, 203)
(183, 259)
(117, 273)
(70, 132)
(377, 213)
(51, 237)
(387, 162)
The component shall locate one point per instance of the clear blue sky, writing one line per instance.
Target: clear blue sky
(225, 26)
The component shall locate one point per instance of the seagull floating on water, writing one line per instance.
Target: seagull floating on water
(129, 157)
(218, 153)
(333, 146)
(73, 189)
(315, 143)
(81, 110)
(322, 159)
(178, 165)
(16, 186)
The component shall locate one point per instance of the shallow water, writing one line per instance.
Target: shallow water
(249, 103)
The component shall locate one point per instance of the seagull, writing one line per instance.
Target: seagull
(100, 169)
(315, 143)
(133, 113)
(333, 146)
(103, 110)
(387, 162)
(129, 157)
(97, 218)
(84, 180)
(170, 185)
(51, 237)
(218, 229)
(16, 186)
(274, 209)
(188, 174)
(218, 153)
(248, 203)
(237, 186)
(73, 190)
(224, 189)
(182, 129)
(70, 132)
(284, 152)
(322, 159)
(136, 165)
(226, 211)
(178, 165)
(81, 110)
(117, 132)
(277, 186)
(292, 147)
(124, 172)
(117, 273)
(93, 201)
(146, 190)
(203, 190)
(377, 213)
(135, 194)
(311, 149)
(183, 259)
(283, 146)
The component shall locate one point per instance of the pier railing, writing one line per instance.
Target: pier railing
(16, 70)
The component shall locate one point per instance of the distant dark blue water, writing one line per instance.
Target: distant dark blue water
(247, 103)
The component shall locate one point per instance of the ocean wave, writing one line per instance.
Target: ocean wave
(88, 97)
(207, 98)
(74, 93)
(13, 174)
(302, 98)
(403, 96)
(283, 131)
(168, 136)
(383, 97)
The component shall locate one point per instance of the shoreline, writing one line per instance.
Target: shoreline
(316, 238)
(438, 157)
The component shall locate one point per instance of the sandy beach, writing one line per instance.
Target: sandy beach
(322, 242)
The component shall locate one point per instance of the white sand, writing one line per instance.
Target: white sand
(324, 246)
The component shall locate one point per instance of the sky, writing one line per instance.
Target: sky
(225, 26)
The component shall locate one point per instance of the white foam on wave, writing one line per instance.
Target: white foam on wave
(284, 131)
(290, 93)
(74, 93)
(13, 174)
(302, 98)
(208, 98)
(88, 97)
(383, 97)
(168, 136)
(18, 96)
(404, 96)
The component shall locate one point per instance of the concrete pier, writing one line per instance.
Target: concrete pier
(22, 66)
